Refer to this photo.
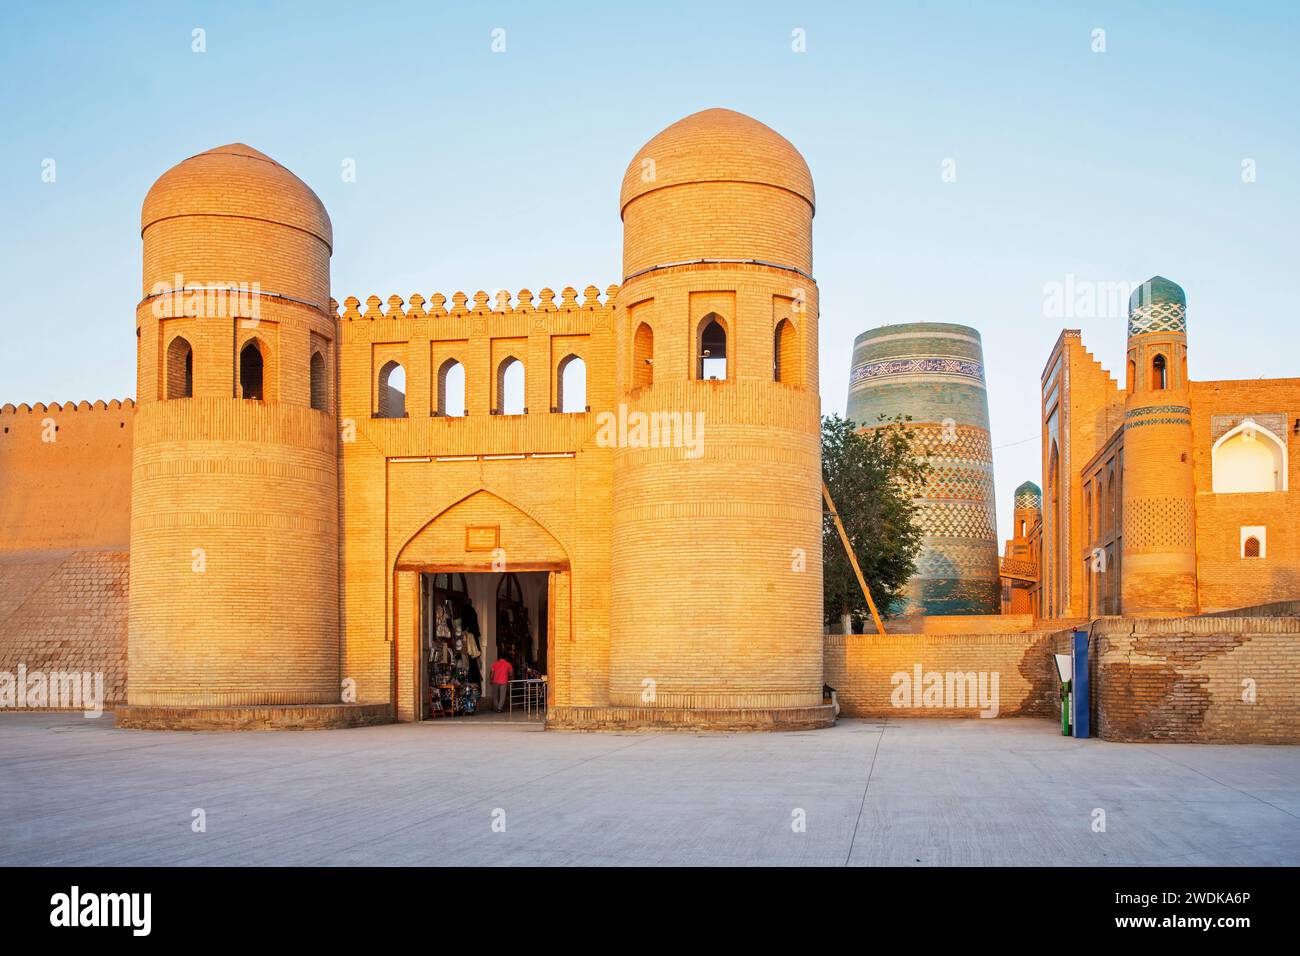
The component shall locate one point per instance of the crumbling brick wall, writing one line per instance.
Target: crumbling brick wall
(1211, 680)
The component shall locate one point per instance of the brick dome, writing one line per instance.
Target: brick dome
(236, 180)
(718, 145)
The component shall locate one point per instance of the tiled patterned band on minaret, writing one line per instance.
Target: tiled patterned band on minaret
(934, 372)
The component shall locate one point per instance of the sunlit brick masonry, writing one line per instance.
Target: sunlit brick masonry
(624, 484)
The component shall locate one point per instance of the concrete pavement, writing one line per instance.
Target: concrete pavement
(867, 792)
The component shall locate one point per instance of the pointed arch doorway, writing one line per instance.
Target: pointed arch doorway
(486, 553)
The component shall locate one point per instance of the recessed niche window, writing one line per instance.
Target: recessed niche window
(785, 354)
(1249, 458)
(1159, 373)
(251, 367)
(1253, 541)
(180, 369)
(643, 357)
(712, 348)
(319, 391)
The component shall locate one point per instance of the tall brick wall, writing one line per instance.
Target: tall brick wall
(65, 475)
(65, 611)
(65, 511)
(1209, 679)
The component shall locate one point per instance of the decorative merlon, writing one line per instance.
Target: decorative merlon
(41, 408)
(417, 307)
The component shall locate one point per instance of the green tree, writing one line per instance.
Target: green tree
(873, 475)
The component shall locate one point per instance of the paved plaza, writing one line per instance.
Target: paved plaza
(914, 792)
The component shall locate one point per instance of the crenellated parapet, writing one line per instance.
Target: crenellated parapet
(42, 408)
(502, 303)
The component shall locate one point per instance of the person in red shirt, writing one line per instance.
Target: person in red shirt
(501, 671)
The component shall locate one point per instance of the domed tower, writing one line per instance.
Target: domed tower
(1019, 558)
(1028, 508)
(716, 610)
(1158, 570)
(234, 507)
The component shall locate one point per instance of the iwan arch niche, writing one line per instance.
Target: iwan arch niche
(481, 533)
(1249, 458)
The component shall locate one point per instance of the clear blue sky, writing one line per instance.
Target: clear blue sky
(482, 170)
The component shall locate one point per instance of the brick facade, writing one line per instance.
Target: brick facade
(286, 495)
(1133, 522)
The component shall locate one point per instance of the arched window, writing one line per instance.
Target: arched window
(571, 385)
(392, 391)
(510, 387)
(250, 371)
(1251, 548)
(319, 392)
(643, 357)
(1159, 373)
(1112, 503)
(712, 348)
(785, 354)
(180, 369)
(1248, 458)
(1132, 375)
(1087, 506)
(451, 389)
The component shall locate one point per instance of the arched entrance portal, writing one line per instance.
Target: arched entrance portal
(485, 554)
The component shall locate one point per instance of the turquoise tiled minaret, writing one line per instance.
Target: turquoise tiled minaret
(934, 372)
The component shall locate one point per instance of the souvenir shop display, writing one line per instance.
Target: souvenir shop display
(453, 651)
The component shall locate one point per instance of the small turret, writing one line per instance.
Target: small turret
(1028, 508)
(1159, 524)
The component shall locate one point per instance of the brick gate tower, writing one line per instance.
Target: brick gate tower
(717, 574)
(1159, 526)
(234, 504)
